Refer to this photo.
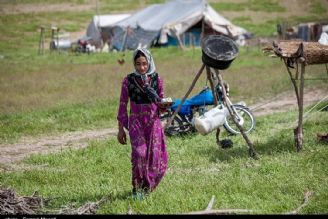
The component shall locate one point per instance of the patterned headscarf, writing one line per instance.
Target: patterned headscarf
(151, 64)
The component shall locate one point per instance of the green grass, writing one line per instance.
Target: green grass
(34, 87)
(265, 5)
(198, 169)
(64, 118)
(226, 6)
(252, 5)
(63, 92)
(317, 8)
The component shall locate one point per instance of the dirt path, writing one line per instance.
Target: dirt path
(287, 101)
(13, 153)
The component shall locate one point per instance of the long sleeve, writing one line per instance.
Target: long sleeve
(122, 115)
(160, 87)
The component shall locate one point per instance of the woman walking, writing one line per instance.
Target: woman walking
(144, 89)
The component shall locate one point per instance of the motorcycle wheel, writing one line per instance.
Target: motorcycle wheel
(246, 120)
(177, 126)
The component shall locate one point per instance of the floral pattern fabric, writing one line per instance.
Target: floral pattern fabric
(149, 155)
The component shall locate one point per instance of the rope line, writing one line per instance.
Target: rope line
(305, 114)
(263, 104)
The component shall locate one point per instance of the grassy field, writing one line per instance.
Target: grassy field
(198, 169)
(64, 92)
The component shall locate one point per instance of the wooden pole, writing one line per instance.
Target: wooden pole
(125, 38)
(216, 102)
(57, 37)
(202, 34)
(298, 131)
(299, 91)
(41, 42)
(52, 43)
(185, 97)
(179, 41)
(209, 77)
(251, 150)
(293, 80)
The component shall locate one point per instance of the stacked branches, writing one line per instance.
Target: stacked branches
(11, 203)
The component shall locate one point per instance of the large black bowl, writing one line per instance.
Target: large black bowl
(218, 51)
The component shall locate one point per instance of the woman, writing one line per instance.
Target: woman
(144, 89)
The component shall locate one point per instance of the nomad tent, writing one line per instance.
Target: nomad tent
(176, 22)
(100, 21)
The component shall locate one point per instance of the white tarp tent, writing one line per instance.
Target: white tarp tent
(99, 21)
(159, 22)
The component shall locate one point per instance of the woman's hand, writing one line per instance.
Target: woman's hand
(162, 108)
(121, 136)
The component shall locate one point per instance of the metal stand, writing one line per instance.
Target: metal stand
(219, 79)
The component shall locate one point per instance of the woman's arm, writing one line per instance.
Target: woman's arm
(122, 117)
(160, 87)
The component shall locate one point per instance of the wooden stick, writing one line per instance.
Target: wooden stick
(217, 135)
(293, 80)
(185, 97)
(130, 212)
(221, 211)
(299, 129)
(209, 77)
(41, 41)
(210, 204)
(251, 150)
(307, 196)
(125, 38)
(215, 96)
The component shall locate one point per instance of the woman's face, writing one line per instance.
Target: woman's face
(141, 65)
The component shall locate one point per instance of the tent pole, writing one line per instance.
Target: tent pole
(203, 28)
(179, 41)
(124, 38)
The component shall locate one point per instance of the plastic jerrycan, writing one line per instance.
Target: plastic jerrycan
(211, 120)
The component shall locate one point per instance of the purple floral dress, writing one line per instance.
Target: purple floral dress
(149, 156)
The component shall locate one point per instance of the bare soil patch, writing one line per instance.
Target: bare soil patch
(287, 101)
(13, 153)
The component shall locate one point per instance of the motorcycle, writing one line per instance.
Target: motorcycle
(83, 45)
(183, 122)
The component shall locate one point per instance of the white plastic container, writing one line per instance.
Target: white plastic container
(211, 120)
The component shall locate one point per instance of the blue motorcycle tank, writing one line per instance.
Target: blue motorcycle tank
(205, 97)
